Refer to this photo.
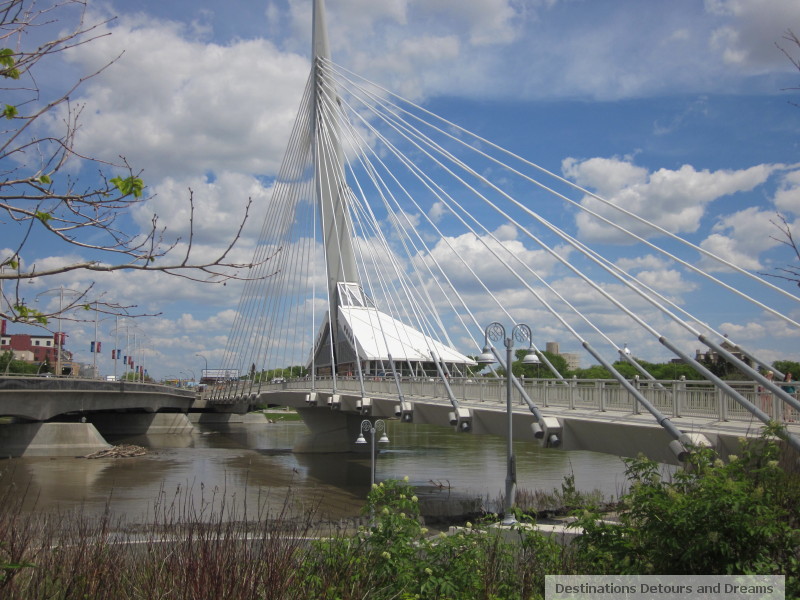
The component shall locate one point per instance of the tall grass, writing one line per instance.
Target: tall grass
(186, 552)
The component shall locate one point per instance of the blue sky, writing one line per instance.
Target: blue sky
(617, 95)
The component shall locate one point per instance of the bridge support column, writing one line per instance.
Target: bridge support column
(50, 439)
(142, 423)
(329, 431)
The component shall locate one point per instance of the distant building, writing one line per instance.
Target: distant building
(713, 357)
(573, 359)
(36, 349)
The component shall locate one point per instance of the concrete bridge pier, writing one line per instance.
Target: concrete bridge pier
(330, 431)
(84, 437)
(50, 439)
(142, 423)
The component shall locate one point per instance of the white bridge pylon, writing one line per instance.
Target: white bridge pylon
(394, 236)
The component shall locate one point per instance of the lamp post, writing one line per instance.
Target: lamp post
(521, 333)
(95, 344)
(59, 336)
(205, 359)
(372, 428)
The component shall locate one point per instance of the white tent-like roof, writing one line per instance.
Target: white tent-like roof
(375, 335)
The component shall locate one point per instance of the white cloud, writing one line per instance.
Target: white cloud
(487, 21)
(466, 257)
(674, 200)
(787, 197)
(219, 207)
(649, 261)
(740, 238)
(172, 104)
(437, 211)
(750, 30)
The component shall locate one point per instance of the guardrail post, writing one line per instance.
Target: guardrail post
(723, 405)
(676, 400)
(573, 392)
(637, 384)
(601, 385)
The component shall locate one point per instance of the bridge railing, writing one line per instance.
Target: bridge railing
(672, 398)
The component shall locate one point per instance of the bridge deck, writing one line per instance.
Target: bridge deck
(589, 415)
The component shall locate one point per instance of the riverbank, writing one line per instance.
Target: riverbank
(715, 517)
(189, 551)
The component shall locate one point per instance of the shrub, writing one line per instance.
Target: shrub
(710, 518)
(394, 557)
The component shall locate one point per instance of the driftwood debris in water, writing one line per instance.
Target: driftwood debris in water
(122, 451)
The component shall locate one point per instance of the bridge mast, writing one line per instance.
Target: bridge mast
(331, 189)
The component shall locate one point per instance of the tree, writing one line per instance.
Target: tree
(713, 517)
(39, 196)
(788, 366)
(558, 361)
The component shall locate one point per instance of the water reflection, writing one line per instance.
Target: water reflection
(251, 465)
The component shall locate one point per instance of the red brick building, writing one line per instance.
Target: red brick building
(34, 348)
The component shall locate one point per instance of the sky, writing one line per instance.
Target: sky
(682, 111)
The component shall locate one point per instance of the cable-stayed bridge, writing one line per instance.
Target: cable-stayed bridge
(395, 239)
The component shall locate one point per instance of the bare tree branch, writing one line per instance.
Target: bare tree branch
(41, 200)
(792, 38)
(786, 237)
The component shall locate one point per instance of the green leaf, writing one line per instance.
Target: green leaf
(128, 186)
(45, 179)
(10, 111)
(44, 217)
(30, 314)
(7, 63)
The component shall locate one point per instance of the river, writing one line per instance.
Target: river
(251, 468)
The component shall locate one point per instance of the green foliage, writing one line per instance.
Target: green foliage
(395, 558)
(8, 364)
(593, 372)
(662, 371)
(10, 111)
(711, 518)
(30, 314)
(788, 366)
(541, 371)
(129, 186)
(44, 217)
(8, 68)
(292, 372)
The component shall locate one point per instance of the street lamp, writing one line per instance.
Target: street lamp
(532, 359)
(205, 359)
(59, 337)
(372, 428)
(521, 333)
